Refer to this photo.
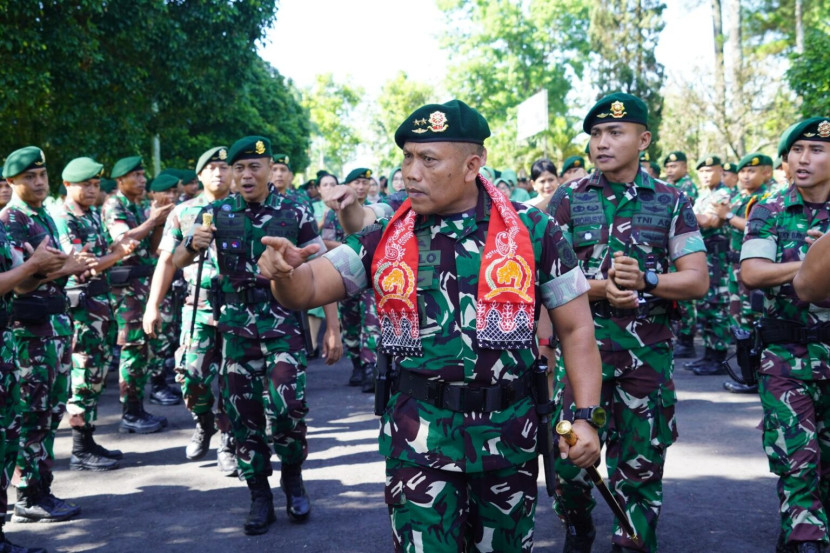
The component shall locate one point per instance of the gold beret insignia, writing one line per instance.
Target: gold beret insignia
(259, 147)
(755, 161)
(824, 129)
(577, 163)
(617, 109)
(438, 121)
(673, 157)
(709, 161)
(223, 154)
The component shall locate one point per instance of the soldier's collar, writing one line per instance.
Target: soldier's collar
(642, 180)
(74, 207)
(793, 197)
(22, 206)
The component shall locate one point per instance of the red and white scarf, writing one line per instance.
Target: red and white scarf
(506, 281)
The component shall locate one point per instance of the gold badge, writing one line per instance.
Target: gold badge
(368, 173)
(824, 129)
(709, 162)
(577, 163)
(617, 109)
(673, 157)
(100, 173)
(646, 157)
(438, 121)
(223, 154)
(419, 123)
(259, 147)
(755, 161)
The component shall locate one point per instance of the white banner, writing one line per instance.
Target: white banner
(532, 116)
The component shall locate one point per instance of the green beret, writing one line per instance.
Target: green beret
(125, 165)
(573, 162)
(644, 156)
(322, 173)
(777, 163)
(782, 142)
(588, 148)
(30, 157)
(730, 167)
(108, 185)
(674, 156)
(814, 129)
(306, 184)
(219, 153)
(81, 169)
(187, 175)
(361, 173)
(250, 147)
(754, 160)
(163, 182)
(282, 159)
(709, 161)
(619, 107)
(655, 167)
(510, 176)
(61, 190)
(454, 121)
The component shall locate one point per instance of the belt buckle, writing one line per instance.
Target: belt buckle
(473, 399)
(809, 334)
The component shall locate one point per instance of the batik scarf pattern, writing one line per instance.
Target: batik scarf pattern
(506, 294)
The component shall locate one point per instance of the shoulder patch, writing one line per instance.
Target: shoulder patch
(566, 253)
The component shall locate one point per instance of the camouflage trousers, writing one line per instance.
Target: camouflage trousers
(91, 356)
(713, 309)
(361, 328)
(265, 378)
(740, 308)
(198, 363)
(166, 342)
(639, 396)
(797, 443)
(44, 387)
(688, 318)
(138, 351)
(439, 511)
(9, 415)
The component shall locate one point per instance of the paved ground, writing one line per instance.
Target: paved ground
(719, 495)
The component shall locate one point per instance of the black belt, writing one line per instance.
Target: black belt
(716, 245)
(249, 296)
(463, 398)
(121, 276)
(604, 309)
(28, 310)
(4, 317)
(94, 287)
(789, 332)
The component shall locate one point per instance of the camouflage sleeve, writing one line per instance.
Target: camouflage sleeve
(760, 236)
(17, 231)
(65, 231)
(172, 234)
(353, 260)
(115, 219)
(559, 277)
(559, 208)
(684, 235)
(207, 209)
(329, 232)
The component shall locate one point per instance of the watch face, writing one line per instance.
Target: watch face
(599, 417)
(651, 279)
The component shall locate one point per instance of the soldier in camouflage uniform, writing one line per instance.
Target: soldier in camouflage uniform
(460, 471)
(42, 334)
(713, 311)
(794, 375)
(79, 226)
(125, 214)
(358, 315)
(13, 272)
(199, 356)
(627, 231)
(263, 344)
(755, 171)
(677, 174)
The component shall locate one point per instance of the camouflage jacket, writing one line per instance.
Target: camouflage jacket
(26, 224)
(395, 200)
(179, 223)
(332, 229)
(9, 259)
(707, 203)
(77, 228)
(122, 215)
(742, 204)
(651, 220)
(776, 231)
(240, 227)
(688, 187)
(450, 252)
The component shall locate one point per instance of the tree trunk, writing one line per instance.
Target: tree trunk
(799, 26)
(737, 106)
(720, 69)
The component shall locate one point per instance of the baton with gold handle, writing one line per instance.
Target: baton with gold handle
(564, 429)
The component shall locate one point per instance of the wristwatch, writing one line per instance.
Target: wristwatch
(595, 416)
(728, 216)
(188, 245)
(546, 342)
(651, 280)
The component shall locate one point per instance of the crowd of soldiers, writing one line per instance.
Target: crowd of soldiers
(449, 293)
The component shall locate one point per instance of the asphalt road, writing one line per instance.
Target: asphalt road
(718, 493)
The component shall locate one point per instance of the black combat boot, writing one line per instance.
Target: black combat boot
(161, 419)
(262, 506)
(297, 504)
(46, 488)
(707, 356)
(160, 392)
(579, 532)
(34, 506)
(226, 455)
(685, 347)
(84, 453)
(133, 419)
(368, 386)
(807, 547)
(738, 388)
(357, 373)
(200, 441)
(714, 366)
(620, 549)
(8, 547)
